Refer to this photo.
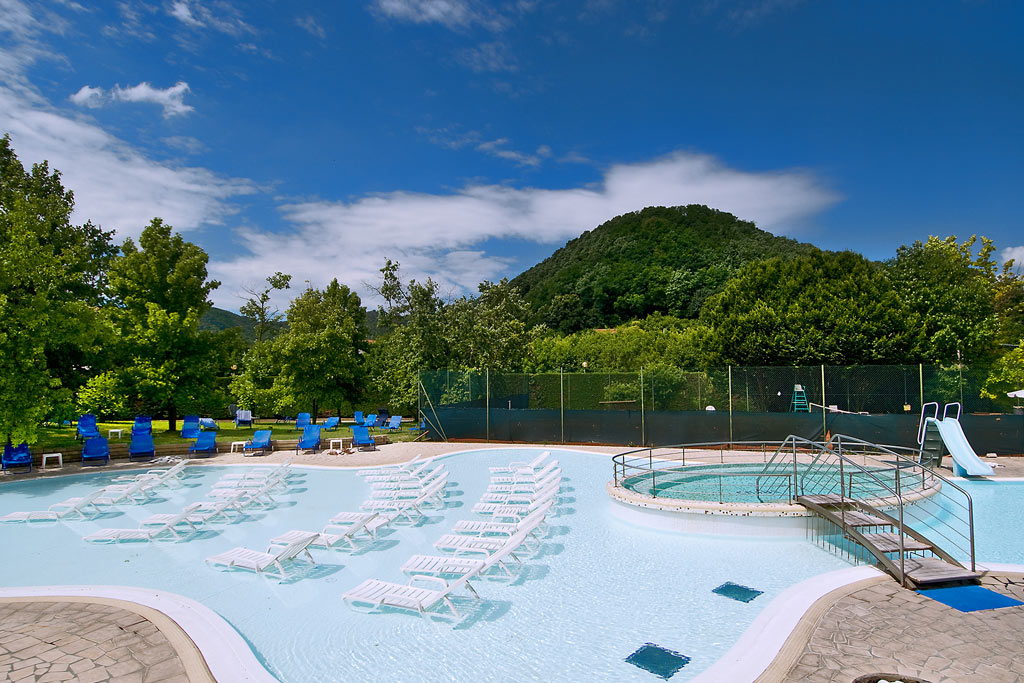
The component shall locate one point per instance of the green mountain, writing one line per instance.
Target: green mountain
(660, 259)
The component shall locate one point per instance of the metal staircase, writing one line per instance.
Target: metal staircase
(877, 505)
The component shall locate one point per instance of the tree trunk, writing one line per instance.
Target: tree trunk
(172, 418)
(314, 412)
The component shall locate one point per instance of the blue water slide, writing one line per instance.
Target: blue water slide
(966, 462)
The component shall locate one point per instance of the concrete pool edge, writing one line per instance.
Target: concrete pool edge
(195, 631)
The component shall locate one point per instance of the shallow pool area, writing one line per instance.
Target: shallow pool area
(599, 590)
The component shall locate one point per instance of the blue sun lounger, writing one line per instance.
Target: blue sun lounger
(302, 421)
(141, 446)
(87, 428)
(361, 438)
(310, 439)
(16, 456)
(95, 448)
(190, 427)
(394, 424)
(206, 442)
(260, 441)
(143, 423)
(331, 423)
(357, 417)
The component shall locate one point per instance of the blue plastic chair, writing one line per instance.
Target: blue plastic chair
(421, 427)
(141, 446)
(361, 438)
(394, 424)
(302, 421)
(94, 449)
(87, 428)
(208, 423)
(370, 420)
(357, 417)
(190, 427)
(143, 424)
(206, 442)
(310, 439)
(260, 441)
(331, 423)
(16, 456)
(243, 417)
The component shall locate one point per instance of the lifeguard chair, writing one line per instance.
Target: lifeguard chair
(799, 403)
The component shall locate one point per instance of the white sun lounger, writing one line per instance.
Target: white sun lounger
(505, 510)
(535, 521)
(162, 475)
(163, 518)
(168, 527)
(282, 471)
(331, 536)
(254, 560)
(526, 486)
(405, 507)
(400, 475)
(410, 482)
(524, 467)
(437, 565)
(384, 469)
(371, 521)
(514, 497)
(212, 510)
(531, 476)
(374, 593)
(458, 544)
(125, 493)
(72, 506)
(410, 493)
(259, 495)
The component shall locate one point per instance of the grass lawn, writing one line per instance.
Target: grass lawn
(63, 438)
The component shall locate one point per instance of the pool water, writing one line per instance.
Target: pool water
(748, 483)
(600, 589)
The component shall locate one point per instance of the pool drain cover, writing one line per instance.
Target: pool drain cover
(660, 661)
(737, 592)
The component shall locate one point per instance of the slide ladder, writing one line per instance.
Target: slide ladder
(799, 403)
(935, 436)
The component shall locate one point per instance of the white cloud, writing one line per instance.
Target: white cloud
(311, 26)
(115, 184)
(439, 235)
(182, 12)
(88, 96)
(185, 143)
(172, 99)
(489, 57)
(219, 16)
(451, 138)
(454, 14)
(1015, 253)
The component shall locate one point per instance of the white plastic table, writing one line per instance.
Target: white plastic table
(240, 444)
(50, 456)
(120, 433)
(340, 442)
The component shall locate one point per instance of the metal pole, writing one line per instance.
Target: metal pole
(561, 401)
(487, 399)
(643, 424)
(419, 402)
(920, 380)
(730, 405)
(824, 418)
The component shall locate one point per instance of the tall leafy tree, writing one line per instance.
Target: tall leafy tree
(488, 331)
(831, 308)
(161, 290)
(258, 306)
(51, 282)
(321, 352)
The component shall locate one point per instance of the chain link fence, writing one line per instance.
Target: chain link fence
(649, 406)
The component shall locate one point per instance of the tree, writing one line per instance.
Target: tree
(321, 352)
(161, 290)
(257, 306)
(952, 292)
(488, 331)
(51, 281)
(831, 308)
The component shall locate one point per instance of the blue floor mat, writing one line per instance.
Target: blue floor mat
(737, 592)
(660, 661)
(969, 598)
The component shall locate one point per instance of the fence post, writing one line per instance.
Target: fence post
(487, 399)
(920, 380)
(824, 418)
(730, 405)
(643, 424)
(561, 400)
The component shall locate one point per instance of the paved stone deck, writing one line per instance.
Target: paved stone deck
(883, 628)
(45, 640)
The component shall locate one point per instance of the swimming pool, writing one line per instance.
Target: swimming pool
(601, 588)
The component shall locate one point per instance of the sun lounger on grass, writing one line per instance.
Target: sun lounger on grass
(78, 506)
(254, 560)
(513, 467)
(372, 594)
(260, 441)
(16, 456)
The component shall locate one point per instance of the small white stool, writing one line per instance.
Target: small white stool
(120, 433)
(50, 456)
(240, 444)
(337, 441)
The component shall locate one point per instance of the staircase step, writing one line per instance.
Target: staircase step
(858, 518)
(824, 499)
(889, 542)
(923, 570)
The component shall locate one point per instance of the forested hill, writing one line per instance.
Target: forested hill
(660, 259)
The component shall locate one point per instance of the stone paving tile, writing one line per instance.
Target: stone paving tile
(888, 629)
(86, 642)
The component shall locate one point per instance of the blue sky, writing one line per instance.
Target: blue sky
(469, 140)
